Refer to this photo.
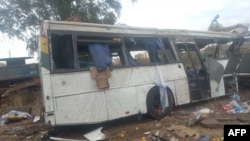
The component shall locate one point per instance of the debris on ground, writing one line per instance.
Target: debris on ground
(63, 139)
(13, 116)
(24, 130)
(158, 125)
(172, 133)
(197, 116)
(95, 135)
(204, 138)
(236, 106)
(182, 131)
(36, 118)
(199, 122)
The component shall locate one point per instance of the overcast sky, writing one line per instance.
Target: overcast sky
(184, 14)
(173, 14)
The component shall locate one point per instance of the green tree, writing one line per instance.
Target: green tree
(22, 18)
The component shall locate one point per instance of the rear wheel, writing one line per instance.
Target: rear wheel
(154, 103)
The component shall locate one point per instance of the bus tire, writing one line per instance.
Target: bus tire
(154, 103)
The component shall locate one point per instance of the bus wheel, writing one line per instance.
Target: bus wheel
(154, 103)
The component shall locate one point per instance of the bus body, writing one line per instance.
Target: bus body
(92, 73)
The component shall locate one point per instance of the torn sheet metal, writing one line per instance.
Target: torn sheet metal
(215, 69)
(63, 139)
(95, 135)
(240, 28)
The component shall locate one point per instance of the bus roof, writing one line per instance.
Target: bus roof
(118, 29)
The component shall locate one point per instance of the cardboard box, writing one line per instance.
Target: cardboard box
(102, 82)
(100, 77)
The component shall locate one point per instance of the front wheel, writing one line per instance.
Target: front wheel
(154, 103)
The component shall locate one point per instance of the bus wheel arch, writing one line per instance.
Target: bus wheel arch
(154, 104)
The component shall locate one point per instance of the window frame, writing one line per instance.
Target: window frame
(76, 34)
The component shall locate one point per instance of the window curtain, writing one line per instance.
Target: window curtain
(152, 46)
(120, 54)
(101, 56)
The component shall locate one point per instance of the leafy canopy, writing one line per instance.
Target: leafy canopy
(22, 18)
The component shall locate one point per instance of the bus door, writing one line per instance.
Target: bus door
(198, 78)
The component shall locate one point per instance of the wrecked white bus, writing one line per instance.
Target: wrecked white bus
(91, 73)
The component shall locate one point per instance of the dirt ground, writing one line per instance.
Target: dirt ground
(179, 126)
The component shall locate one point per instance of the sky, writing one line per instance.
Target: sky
(184, 14)
(163, 14)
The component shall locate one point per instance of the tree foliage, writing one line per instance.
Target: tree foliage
(22, 18)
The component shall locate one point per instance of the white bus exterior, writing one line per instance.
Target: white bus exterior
(72, 96)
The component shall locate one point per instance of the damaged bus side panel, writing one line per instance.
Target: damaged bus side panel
(94, 73)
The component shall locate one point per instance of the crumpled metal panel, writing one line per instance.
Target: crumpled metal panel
(215, 69)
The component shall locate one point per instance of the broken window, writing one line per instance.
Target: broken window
(190, 58)
(62, 51)
(99, 52)
(144, 51)
(81, 51)
(117, 56)
(169, 51)
(73, 51)
(217, 51)
(245, 48)
(84, 58)
(216, 48)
